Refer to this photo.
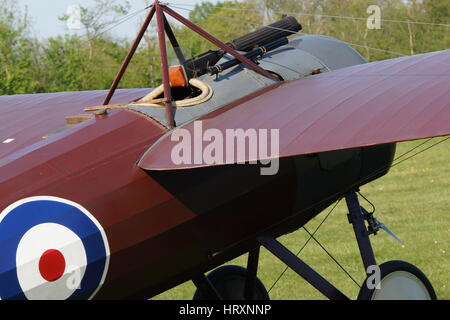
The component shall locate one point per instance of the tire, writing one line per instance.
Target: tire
(400, 280)
(229, 281)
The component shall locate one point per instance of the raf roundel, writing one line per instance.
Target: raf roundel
(52, 248)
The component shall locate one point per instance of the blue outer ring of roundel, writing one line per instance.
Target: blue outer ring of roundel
(27, 215)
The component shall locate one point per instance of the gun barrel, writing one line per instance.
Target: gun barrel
(282, 28)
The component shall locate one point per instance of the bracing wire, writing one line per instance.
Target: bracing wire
(333, 258)
(334, 195)
(307, 241)
(375, 49)
(323, 15)
(412, 149)
(120, 21)
(290, 31)
(332, 209)
(239, 20)
(396, 161)
(421, 151)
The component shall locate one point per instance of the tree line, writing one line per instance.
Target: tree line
(90, 60)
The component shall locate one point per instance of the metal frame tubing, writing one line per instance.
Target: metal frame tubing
(218, 43)
(202, 283)
(130, 55)
(163, 28)
(356, 218)
(301, 268)
(173, 41)
(164, 65)
(252, 270)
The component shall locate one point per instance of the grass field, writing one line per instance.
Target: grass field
(413, 200)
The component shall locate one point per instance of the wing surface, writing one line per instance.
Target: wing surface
(394, 100)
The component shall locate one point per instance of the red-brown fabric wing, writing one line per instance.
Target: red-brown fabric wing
(381, 102)
(26, 118)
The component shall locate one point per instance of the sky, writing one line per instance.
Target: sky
(44, 16)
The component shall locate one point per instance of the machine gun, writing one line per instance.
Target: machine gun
(263, 40)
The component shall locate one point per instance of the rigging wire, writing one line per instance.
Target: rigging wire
(133, 14)
(239, 20)
(304, 245)
(395, 162)
(319, 202)
(376, 49)
(311, 235)
(293, 32)
(412, 149)
(374, 174)
(331, 256)
(323, 15)
(119, 21)
(421, 151)
(334, 195)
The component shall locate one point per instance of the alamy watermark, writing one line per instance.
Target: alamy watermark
(73, 281)
(374, 20)
(74, 17)
(374, 277)
(212, 146)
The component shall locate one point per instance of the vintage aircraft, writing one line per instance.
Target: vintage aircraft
(111, 203)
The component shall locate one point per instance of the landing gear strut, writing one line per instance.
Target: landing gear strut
(396, 280)
(232, 283)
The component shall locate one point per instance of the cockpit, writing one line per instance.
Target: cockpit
(236, 70)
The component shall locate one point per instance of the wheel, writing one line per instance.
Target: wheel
(229, 281)
(400, 280)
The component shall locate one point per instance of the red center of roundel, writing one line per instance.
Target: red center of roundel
(52, 265)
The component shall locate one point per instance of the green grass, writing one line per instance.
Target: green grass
(413, 200)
